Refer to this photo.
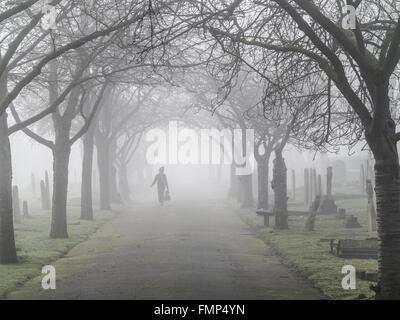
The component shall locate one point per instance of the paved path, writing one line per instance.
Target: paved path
(181, 251)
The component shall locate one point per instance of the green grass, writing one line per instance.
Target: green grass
(311, 257)
(35, 248)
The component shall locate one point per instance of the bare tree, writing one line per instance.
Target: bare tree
(360, 62)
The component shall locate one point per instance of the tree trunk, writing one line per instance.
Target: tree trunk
(103, 161)
(387, 189)
(263, 177)
(115, 195)
(87, 170)
(279, 185)
(123, 182)
(61, 153)
(8, 252)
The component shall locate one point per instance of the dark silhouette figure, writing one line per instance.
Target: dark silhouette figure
(162, 185)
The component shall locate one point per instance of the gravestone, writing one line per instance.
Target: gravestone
(294, 184)
(310, 222)
(371, 213)
(319, 186)
(44, 196)
(306, 186)
(47, 185)
(314, 181)
(328, 204)
(25, 209)
(15, 202)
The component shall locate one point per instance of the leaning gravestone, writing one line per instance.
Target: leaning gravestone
(25, 209)
(310, 222)
(47, 194)
(371, 207)
(44, 196)
(328, 204)
(319, 186)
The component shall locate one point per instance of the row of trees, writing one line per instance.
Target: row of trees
(286, 68)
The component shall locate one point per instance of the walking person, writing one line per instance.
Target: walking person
(162, 186)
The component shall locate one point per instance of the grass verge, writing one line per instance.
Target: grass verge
(35, 248)
(309, 256)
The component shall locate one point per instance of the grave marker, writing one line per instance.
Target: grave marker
(328, 204)
(16, 207)
(306, 187)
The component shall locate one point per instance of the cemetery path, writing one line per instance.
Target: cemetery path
(184, 250)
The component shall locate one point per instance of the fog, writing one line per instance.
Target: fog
(188, 181)
(199, 150)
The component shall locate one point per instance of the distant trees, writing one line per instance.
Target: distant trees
(110, 124)
(87, 172)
